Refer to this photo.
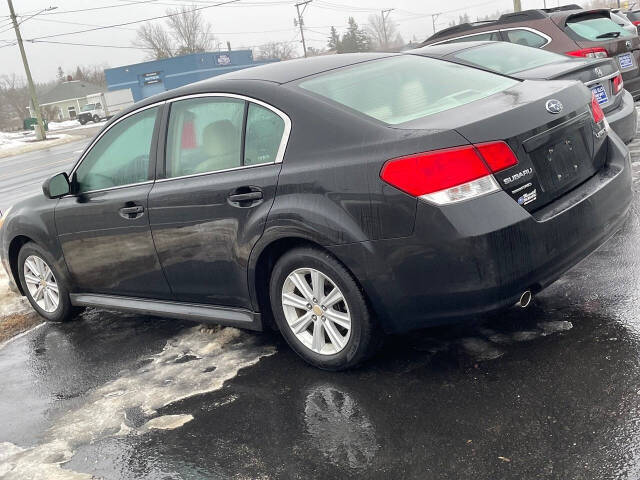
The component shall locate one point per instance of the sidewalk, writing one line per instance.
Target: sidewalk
(11, 144)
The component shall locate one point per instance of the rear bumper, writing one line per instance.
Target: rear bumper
(479, 256)
(623, 120)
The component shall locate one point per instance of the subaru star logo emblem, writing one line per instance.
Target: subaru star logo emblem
(628, 44)
(598, 71)
(554, 106)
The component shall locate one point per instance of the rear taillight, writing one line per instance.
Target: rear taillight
(450, 175)
(596, 111)
(636, 23)
(617, 84)
(595, 52)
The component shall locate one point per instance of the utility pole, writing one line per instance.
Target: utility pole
(300, 22)
(385, 15)
(517, 7)
(40, 134)
(434, 17)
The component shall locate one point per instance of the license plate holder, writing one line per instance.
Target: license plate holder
(625, 60)
(600, 93)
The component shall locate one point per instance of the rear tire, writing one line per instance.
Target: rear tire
(82, 121)
(43, 284)
(96, 119)
(321, 311)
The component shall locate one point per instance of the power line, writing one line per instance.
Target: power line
(78, 23)
(101, 8)
(78, 44)
(168, 15)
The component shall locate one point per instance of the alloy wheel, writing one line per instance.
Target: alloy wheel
(316, 311)
(41, 283)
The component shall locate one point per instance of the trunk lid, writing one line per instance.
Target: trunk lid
(595, 73)
(556, 152)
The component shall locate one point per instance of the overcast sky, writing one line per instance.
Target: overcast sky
(246, 23)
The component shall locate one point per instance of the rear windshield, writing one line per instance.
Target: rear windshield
(633, 16)
(596, 27)
(403, 88)
(508, 58)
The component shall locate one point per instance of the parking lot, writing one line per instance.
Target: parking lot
(552, 391)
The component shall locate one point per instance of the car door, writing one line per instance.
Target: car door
(103, 226)
(222, 159)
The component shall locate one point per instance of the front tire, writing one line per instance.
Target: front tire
(43, 284)
(82, 121)
(96, 119)
(321, 311)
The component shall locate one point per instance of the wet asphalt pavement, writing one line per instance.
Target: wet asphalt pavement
(551, 392)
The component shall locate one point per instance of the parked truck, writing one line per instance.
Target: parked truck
(105, 105)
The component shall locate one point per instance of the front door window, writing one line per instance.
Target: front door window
(121, 156)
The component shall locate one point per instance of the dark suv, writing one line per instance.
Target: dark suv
(569, 30)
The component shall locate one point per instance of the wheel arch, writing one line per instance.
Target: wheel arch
(15, 246)
(262, 261)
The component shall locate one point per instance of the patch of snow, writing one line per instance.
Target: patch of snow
(73, 125)
(160, 382)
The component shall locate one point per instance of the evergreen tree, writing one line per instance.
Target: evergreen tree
(334, 40)
(60, 75)
(355, 40)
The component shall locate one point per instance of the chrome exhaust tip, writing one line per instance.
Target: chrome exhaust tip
(525, 299)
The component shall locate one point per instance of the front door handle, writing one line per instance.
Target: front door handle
(132, 212)
(245, 196)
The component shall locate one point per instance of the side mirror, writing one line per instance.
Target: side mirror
(57, 186)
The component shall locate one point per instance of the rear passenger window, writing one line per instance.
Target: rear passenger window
(205, 135)
(480, 37)
(263, 137)
(525, 37)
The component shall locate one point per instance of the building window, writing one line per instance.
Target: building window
(72, 111)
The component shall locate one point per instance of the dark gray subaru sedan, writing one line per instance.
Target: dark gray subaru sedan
(335, 198)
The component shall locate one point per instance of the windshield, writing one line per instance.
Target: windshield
(403, 88)
(89, 106)
(596, 27)
(508, 58)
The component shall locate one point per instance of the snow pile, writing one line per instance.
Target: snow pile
(62, 125)
(26, 141)
(15, 139)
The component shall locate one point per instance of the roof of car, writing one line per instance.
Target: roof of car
(524, 16)
(283, 72)
(444, 49)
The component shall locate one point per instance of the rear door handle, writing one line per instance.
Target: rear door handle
(131, 212)
(243, 197)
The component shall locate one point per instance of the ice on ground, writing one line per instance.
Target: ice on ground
(14, 140)
(480, 349)
(10, 303)
(161, 381)
(552, 327)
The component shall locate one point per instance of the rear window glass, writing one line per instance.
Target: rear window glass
(525, 37)
(400, 89)
(633, 16)
(508, 58)
(596, 27)
(495, 36)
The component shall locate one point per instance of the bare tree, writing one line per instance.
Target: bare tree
(187, 32)
(156, 40)
(279, 50)
(383, 33)
(191, 32)
(14, 93)
(92, 74)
